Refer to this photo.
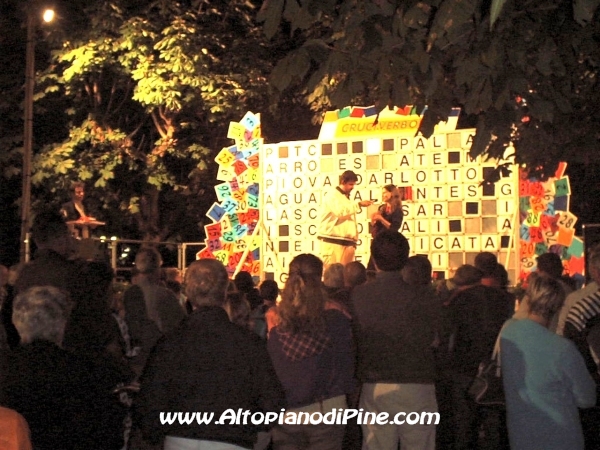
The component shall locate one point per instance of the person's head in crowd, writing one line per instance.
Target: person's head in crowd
(269, 291)
(486, 262)
(348, 180)
(303, 298)
(494, 273)
(501, 276)
(172, 274)
(148, 262)
(77, 191)
(335, 286)
(544, 295)
(173, 286)
(550, 264)
(171, 278)
(569, 282)
(389, 250)
(50, 232)
(243, 281)
(467, 276)
(41, 313)
(13, 273)
(355, 274)
(206, 283)
(417, 271)
(333, 277)
(99, 277)
(245, 284)
(238, 309)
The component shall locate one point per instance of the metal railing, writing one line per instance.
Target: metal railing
(112, 249)
(112, 246)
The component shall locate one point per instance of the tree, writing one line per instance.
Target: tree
(531, 78)
(148, 91)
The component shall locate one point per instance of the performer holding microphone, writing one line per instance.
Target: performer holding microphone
(338, 231)
(388, 216)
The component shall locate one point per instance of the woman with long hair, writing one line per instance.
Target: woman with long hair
(312, 351)
(388, 216)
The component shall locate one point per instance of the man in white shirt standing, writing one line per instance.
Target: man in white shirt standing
(338, 231)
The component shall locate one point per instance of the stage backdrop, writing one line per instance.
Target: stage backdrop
(270, 196)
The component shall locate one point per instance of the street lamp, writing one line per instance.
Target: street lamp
(48, 15)
(28, 130)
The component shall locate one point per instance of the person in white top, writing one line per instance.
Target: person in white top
(338, 231)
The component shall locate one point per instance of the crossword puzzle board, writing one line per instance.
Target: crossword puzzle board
(270, 196)
(449, 214)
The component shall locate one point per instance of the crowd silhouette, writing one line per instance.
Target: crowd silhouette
(84, 365)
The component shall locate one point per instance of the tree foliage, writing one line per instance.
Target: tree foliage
(147, 91)
(531, 78)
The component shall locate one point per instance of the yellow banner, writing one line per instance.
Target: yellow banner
(366, 126)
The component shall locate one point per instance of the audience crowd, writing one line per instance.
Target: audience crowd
(85, 366)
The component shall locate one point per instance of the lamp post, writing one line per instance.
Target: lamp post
(28, 130)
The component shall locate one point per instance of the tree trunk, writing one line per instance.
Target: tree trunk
(148, 218)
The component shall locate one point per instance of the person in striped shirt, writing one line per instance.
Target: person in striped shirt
(584, 315)
(580, 327)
